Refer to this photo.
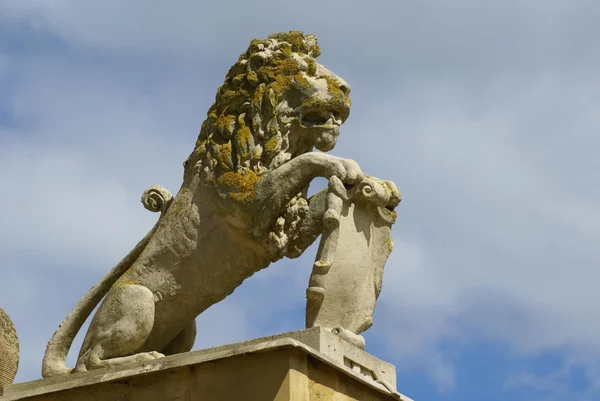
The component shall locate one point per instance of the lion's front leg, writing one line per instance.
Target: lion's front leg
(275, 189)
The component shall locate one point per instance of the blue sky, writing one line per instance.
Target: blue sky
(485, 113)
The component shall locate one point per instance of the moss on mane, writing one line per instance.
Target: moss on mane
(238, 132)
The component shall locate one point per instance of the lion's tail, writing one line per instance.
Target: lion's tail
(58, 347)
(154, 199)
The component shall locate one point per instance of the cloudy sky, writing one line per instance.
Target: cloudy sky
(484, 112)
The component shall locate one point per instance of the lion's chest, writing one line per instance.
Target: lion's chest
(196, 260)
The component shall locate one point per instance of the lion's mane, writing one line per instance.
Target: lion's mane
(247, 129)
(242, 133)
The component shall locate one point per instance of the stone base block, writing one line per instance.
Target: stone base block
(308, 365)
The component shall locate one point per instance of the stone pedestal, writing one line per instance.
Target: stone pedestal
(299, 366)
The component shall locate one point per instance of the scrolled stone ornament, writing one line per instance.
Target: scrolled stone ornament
(157, 199)
(9, 351)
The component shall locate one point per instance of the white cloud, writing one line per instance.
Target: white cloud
(556, 384)
(495, 244)
(421, 37)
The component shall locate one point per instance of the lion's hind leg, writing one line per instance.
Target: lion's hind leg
(183, 342)
(119, 329)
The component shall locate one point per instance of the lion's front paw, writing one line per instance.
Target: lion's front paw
(346, 170)
(148, 356)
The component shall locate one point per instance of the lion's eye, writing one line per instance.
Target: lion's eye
(294, 97)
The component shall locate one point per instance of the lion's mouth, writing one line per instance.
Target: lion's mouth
(322, 119)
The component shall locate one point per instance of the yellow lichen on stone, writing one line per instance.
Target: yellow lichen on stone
(244, 139)
(228, 95)
(280, 75)
(224, 156)
(303, 82)
(312, 66)
(240, 185)
(314, 104)
(252, 77)
(272, 144)
(282, 72)
(243, 134)
(201, 145)
(298, 41)
(224, 124)
(258, 96)
(333, 87)
(389, 245)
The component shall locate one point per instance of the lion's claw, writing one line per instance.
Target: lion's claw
(346, 170)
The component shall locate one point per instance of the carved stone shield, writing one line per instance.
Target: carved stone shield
(9, 350)
(356, 242)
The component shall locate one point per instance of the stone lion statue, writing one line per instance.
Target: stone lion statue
(241, 207)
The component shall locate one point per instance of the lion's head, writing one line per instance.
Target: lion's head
(277, 102)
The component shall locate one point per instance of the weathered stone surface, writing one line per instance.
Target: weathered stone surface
(242, 206)
(356, 242)
(338, 350)
(274, 368)
(9, 350)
